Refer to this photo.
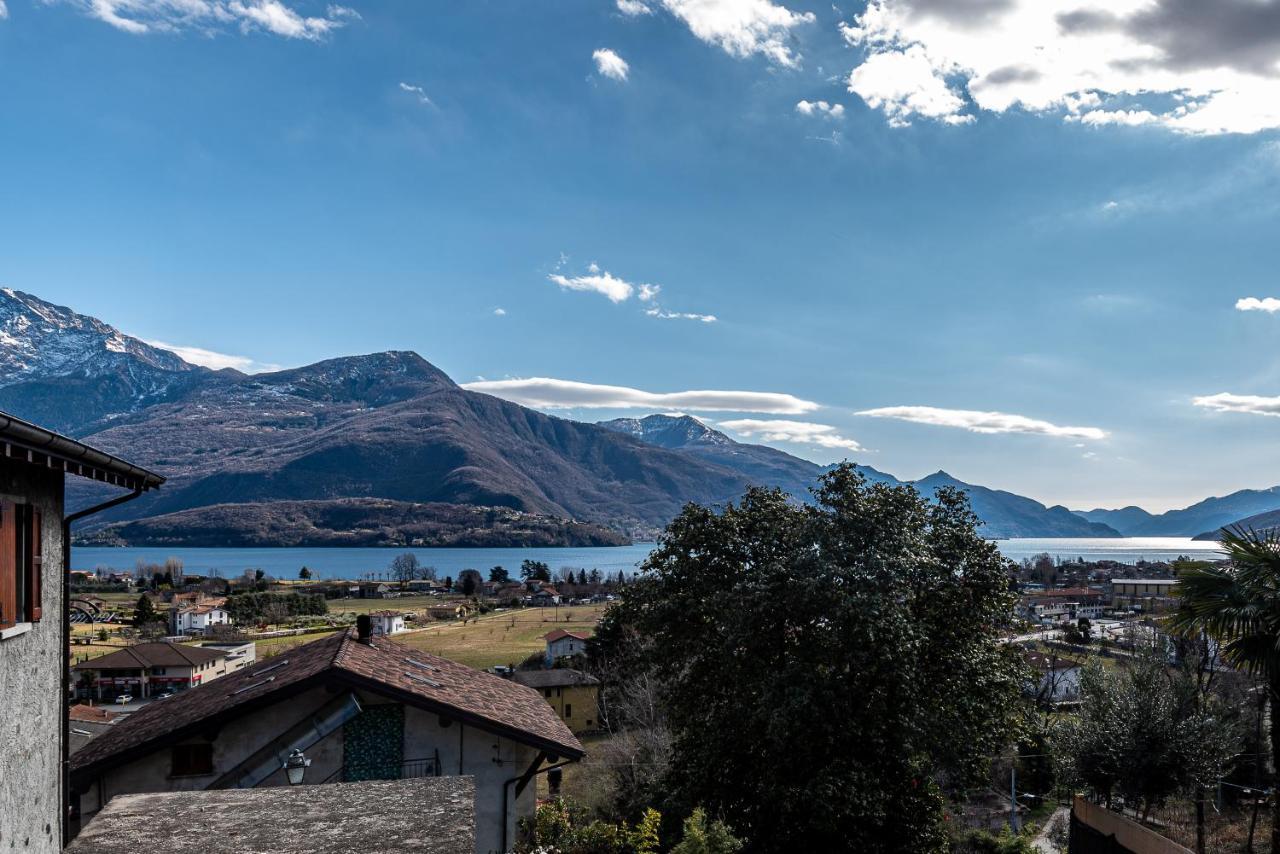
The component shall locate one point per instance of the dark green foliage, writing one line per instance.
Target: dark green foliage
(498, 575)
(469, 582)
(304, 574)
(145, 612)
(249, 608)
(824, 667)
(534, 570)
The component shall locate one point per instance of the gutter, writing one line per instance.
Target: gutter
(526, 777)
(64, 777)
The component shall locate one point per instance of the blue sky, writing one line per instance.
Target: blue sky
(943, 233)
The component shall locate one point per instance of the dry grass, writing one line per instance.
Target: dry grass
(506, 637)
(1227, 831)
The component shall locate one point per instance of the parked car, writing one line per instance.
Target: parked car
(164, 695)
(123, 699)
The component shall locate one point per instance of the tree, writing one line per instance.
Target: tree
(469, 581)
(855, 640)
(304, 574)
(582, 577)
(1238, 605)
(498, 575)
(595, 576)
(703, 836)
(144, 613)
(534, 570)
(405, 568)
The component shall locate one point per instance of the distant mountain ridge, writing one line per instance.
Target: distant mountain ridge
(1203, 517)
(387, 426)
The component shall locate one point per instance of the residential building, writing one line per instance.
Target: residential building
(387, 622)
(89, 721)
(146, 669)
(361, 707)
(1057, 679)
(240, 653)
(434, 815)
(562, 643)
(197, 619)
(1149, 594)
(574, 695)
(34, 562)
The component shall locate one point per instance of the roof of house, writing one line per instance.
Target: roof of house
(153, 655)
(1045, 663)
(386, 614)
(91, 714)
(558, 678)
(428, 815)
(23, 440)
(1144, 581)
(557, 634)
(480, 699)
(1070, 592)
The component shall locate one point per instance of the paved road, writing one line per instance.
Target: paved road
(1041, 843)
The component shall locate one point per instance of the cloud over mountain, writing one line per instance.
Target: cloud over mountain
(982, 422)
(548, 393)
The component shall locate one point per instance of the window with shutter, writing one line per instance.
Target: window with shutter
(8, 565)
(34, 563)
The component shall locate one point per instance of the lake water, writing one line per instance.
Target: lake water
(357, 563)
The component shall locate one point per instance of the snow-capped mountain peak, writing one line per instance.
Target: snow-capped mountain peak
(40, 341)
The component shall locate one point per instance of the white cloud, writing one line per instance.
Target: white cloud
(4, 10)
(1246, 403)
(418, 92)
(982, 422)
(1268, 304)
(159, 16)
(1185, 65)
(648, 292)
(633, 8)
(212, 359)
(546, 393)
(500, 312)
(597, 281)
(800, 432)
(743, 28)
(680, 315)
(820, 108)
(610, 64)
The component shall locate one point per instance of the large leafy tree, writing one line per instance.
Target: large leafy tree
(826, 668)
(1238, 605)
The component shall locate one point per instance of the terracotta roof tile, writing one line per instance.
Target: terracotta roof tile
(153, 655)
(485, 699)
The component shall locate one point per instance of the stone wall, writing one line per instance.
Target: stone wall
(31, 685)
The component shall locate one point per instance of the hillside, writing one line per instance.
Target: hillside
(352, 522)
(1008, 515)
(1203, 517)
(266, 456)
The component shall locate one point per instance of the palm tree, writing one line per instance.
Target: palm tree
(1238, 604)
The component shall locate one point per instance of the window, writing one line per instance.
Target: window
(21, 563)
(191, 760)
(568, 710)
(546, 691)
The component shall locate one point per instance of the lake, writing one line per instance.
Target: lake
(357, 563)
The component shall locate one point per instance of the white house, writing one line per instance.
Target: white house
(387, 622)
(561, 643)
(359, 707)
(199, 619)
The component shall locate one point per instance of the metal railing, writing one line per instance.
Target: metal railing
(410, 769)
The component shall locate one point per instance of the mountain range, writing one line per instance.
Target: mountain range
(386, 449)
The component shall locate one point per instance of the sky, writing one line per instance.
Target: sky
(1030, 242)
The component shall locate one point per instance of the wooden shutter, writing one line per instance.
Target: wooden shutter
(34, 563)
(8, 564)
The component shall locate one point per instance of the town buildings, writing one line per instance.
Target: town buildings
(574, 695)
(360, 707)
(146, 669)
(34, 562)
(562, 643)
(387, 622)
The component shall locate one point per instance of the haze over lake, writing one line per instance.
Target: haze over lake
(356, 563)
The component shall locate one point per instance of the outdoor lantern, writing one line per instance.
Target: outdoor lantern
(295, 767)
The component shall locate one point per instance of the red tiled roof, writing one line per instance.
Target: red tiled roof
(561, 633)
(90, 714)
(483, 700)
(144, 655)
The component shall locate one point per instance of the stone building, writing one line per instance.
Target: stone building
(34, 653)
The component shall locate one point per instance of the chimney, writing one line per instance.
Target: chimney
(364, 628)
